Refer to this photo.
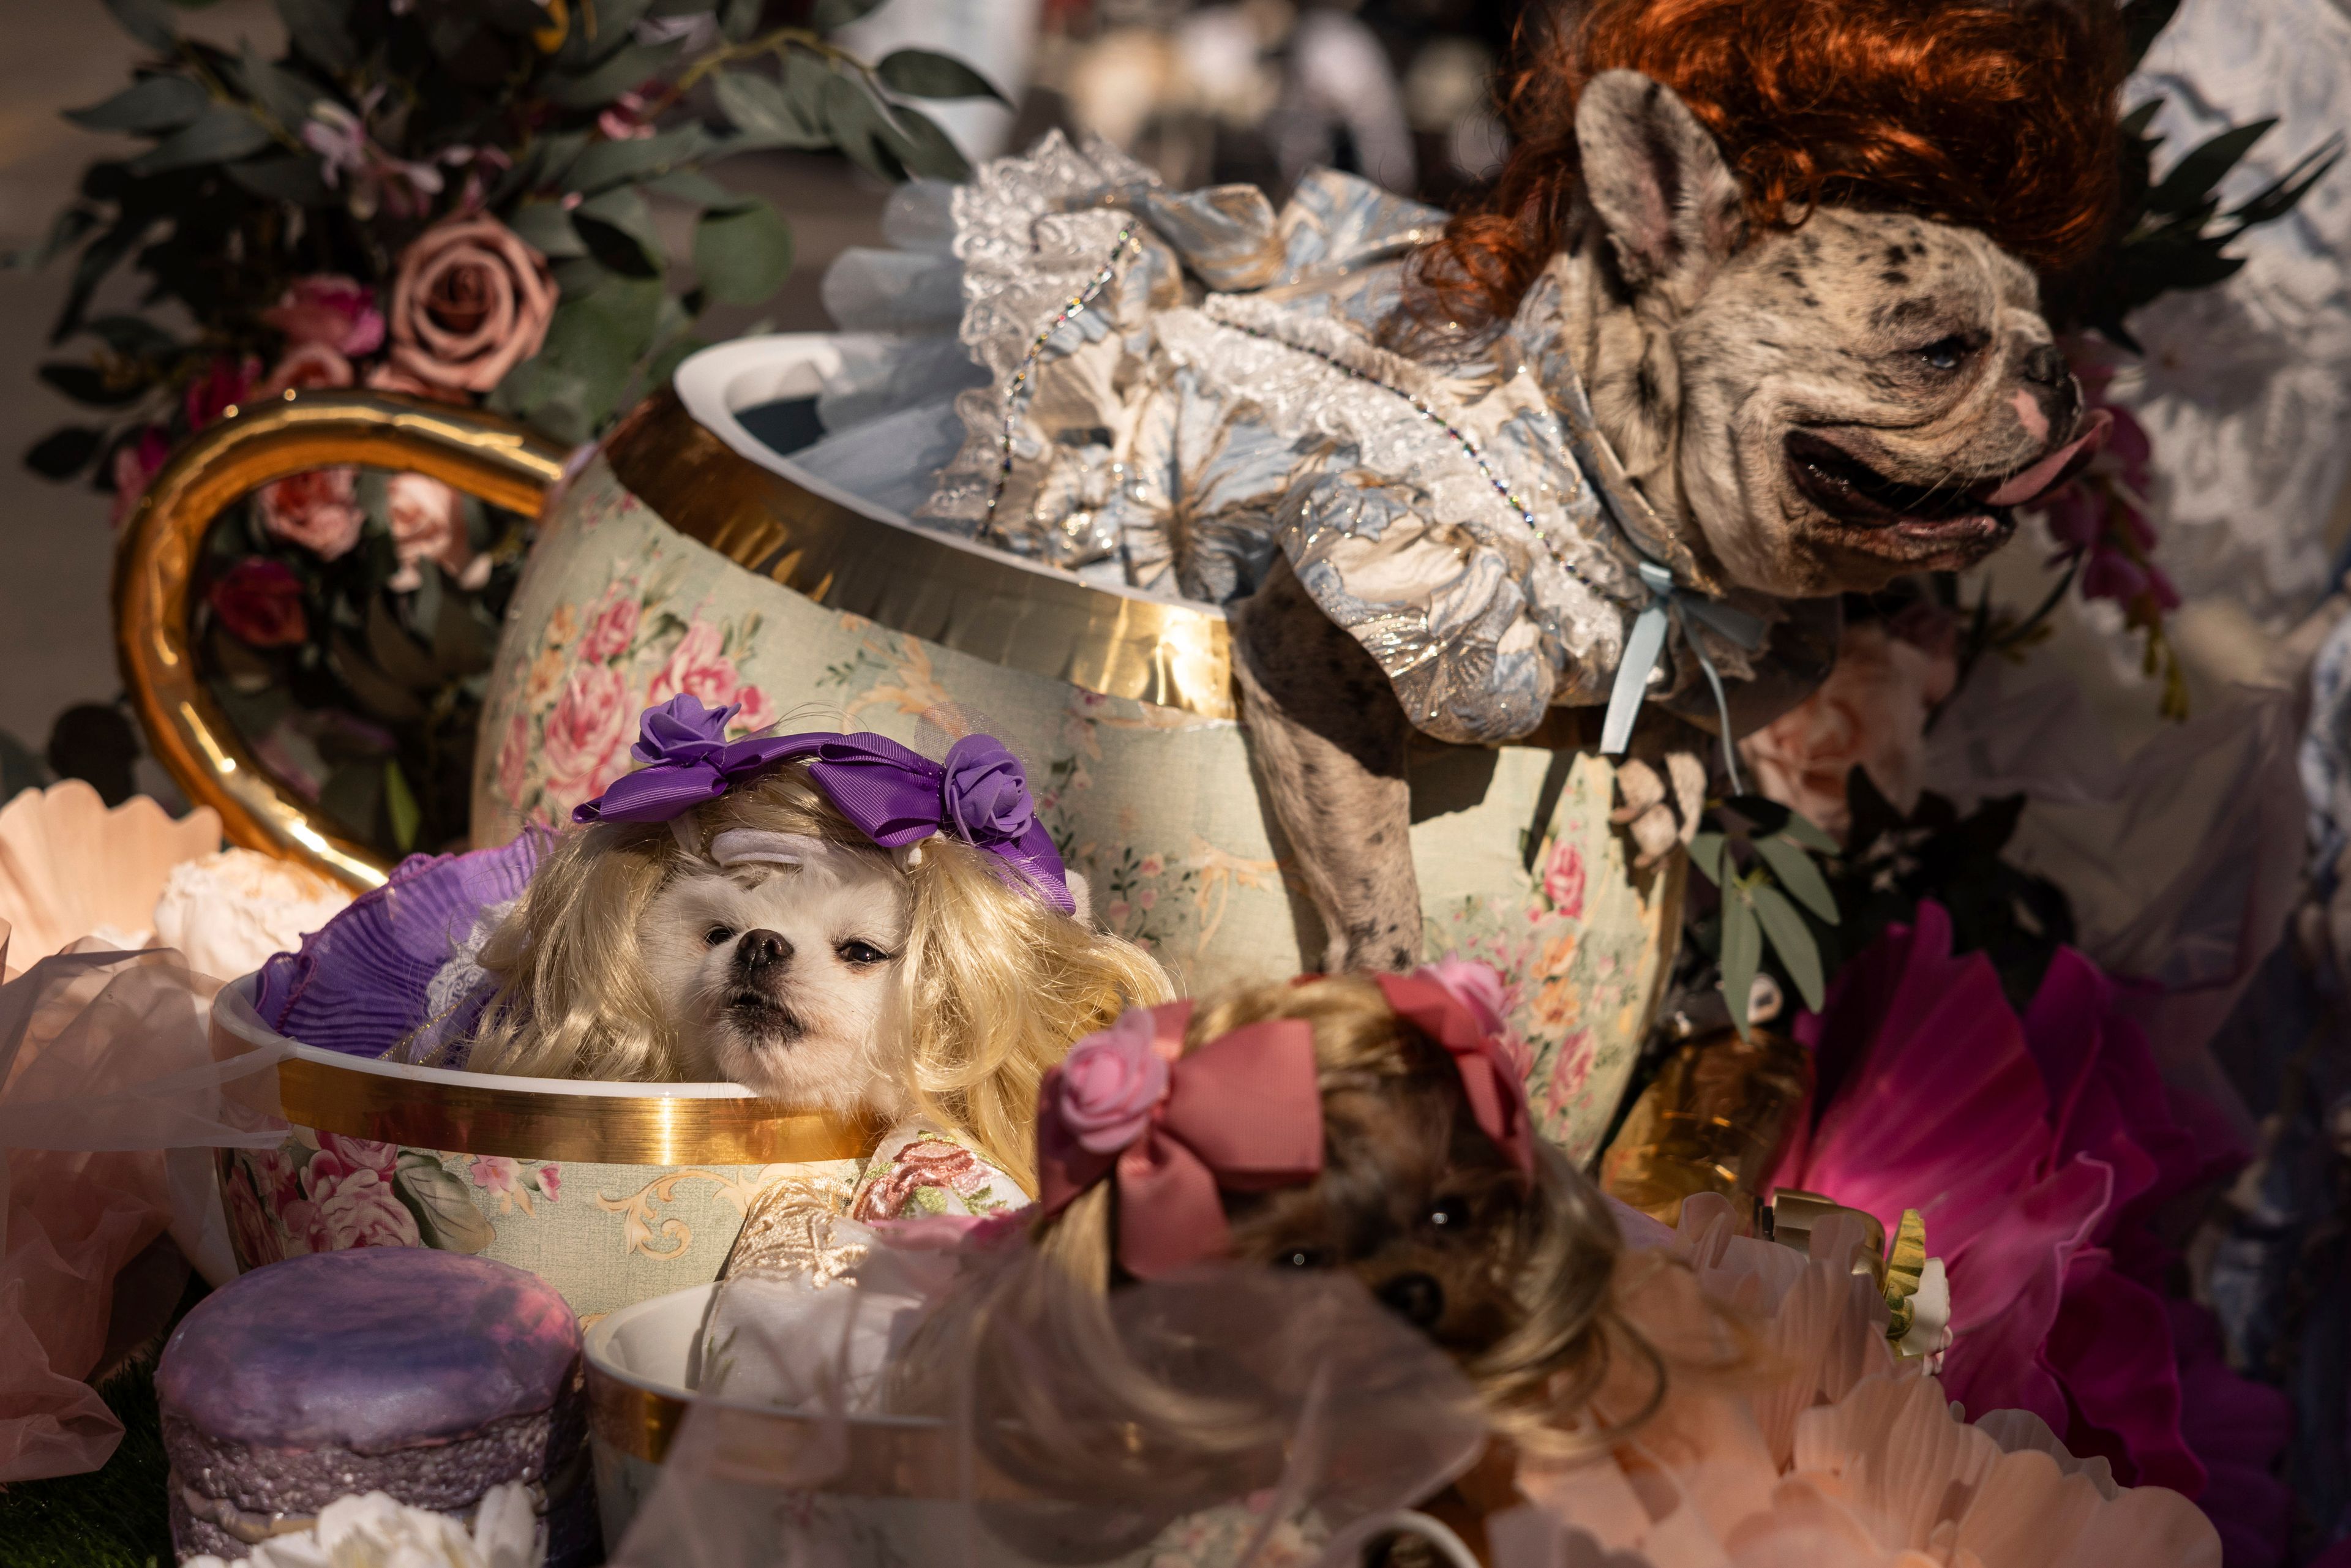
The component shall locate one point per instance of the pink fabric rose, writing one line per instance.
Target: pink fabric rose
(1111, 1082)
(1563, 881)
(1477, 986)
(1871, 712)
(470, 302)
(331, 311)
(136, 464)
(305, 366)
(318, 510)
(585, 732)
(428, 523)
(697, 667)
(613, 628)
(224, 383)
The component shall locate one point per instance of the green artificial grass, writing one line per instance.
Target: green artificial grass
(114, 1518)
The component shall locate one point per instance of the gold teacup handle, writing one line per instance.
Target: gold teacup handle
(503, 462)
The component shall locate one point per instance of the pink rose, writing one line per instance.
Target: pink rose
(136, 464)
(306, 1231)
(1871, 712)
(924, 1162)
(260, 603)
(318, 510)
(360, 1209)
(255, 1237)
(1111, 1084)
(757, 712)
(276, 1176)
(514, 761)
(470, 302)
(1477, 986)
(697, 667)
(339, 1156)
(1569, 1072)
(551, 1181)
(332, 312)
(585, 732)
(306, 365)
(386, 378)
(428, 523)
(612, 630)
(1563, 881)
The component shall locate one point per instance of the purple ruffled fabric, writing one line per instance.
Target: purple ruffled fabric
(360, 982)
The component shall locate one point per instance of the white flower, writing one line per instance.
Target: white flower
(374, 1532)
(229, 911)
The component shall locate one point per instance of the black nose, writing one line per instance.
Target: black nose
(762, 950)
(2046, 365)
(1417, 1299)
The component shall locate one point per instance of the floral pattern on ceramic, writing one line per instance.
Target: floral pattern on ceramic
(606, 1236)
(920, 1169)
(1156, 807)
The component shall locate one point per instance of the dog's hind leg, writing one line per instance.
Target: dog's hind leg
(1330, 741)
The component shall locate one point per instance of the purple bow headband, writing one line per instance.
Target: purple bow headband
(895, 797)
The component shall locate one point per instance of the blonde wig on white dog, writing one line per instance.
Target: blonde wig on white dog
(997, 984)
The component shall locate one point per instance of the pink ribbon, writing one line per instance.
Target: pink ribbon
(1497, 1096)
(1242, 1114)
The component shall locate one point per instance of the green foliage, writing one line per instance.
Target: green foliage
(1759, 857)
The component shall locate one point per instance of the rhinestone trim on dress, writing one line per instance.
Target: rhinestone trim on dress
(1076, 306)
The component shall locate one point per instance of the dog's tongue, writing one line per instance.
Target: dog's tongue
(2054, 469)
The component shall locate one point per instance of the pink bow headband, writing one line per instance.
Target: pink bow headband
(1242, 1114)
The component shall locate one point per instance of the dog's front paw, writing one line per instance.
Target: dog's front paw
(1661, 803)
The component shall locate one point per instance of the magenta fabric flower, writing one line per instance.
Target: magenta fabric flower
(2036, 1149)
(1477, 986)
(331, 311)
(985, 796)
(1111, 1082)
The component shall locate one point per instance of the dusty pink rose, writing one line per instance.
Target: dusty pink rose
(1871, 712)
(613, 628)
(1563, 881)
(428, 523)
(470, 302)
(255, 1237)
(585, 732)
(224, 383)
(305, 366)
(698, 668)
(514, 761)
(388, 378)
(318, 510)
(333, 312)
(1107, 1088)
(360, 1209)
(136, 464)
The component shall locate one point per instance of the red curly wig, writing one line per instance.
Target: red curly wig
(1994, 116)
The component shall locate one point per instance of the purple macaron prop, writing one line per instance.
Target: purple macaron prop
(431, 1377)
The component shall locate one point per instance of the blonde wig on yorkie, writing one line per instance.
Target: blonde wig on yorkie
(998, 984)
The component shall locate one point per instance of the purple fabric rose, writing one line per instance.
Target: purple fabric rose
(986, 798)
(1111, 1082)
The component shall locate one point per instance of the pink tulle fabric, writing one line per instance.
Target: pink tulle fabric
(104, 1066)
(1818, 1448)
(2037, 1149)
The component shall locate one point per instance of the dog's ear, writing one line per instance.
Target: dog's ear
(1658, 182)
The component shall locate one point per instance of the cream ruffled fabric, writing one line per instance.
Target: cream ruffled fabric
(1818, 1447)
(69, 868)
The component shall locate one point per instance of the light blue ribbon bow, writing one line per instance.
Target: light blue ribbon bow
(1647, 645)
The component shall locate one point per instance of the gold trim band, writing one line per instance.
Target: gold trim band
(503, 462)
(525, 1123)
(922, 584)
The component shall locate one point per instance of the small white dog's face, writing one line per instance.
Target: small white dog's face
(785, 979)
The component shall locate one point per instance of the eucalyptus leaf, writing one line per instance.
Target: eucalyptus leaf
(925, 151)
(763, 114)
(2192, 179)
(155, 103)
(441, 1203)
(286, 97)
(62, 454)
(618, 230)
(392, 650)
(89, 384)
(400, 806)
(694, 188)
(321, 30)
(98, 258)
(547, 228)
(738, 19)
(1705, 853)
(2143, 21)
(607, 163)
(289, 177)
(2135, 122)
(2280, 195)
(1799, 874)
(135, 337)
(743, 255)
(353, 794)
(831, 14)
(70, 228)
(218, 135)
(859, 126)
(1792, 939)
(149, 21)
(919, 73)
(1810, 835)
(628, 68)
(1742, 953)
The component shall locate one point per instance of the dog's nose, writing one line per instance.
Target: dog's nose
(1417, 1299)
(762, 950)
(2045, 366)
